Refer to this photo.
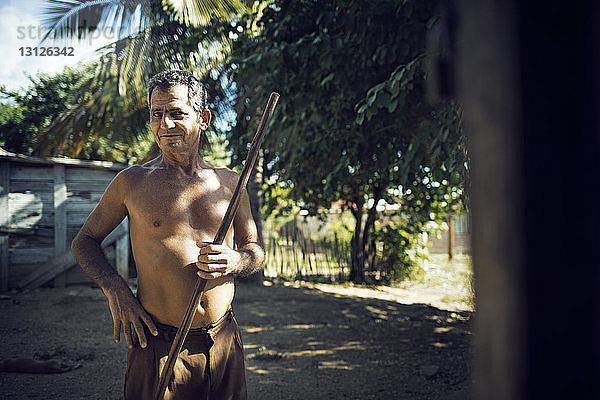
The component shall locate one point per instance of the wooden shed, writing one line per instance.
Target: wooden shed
(43, 203)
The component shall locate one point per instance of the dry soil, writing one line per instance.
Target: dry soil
(302, 341)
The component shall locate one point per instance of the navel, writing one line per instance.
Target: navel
(156, 224)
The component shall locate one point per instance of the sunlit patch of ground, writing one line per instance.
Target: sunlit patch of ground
(444, 285)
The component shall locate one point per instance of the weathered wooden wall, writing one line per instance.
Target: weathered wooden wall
(43, 203)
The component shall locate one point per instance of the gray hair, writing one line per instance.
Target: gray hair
(197, 95)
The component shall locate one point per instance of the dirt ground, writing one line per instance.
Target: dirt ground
(302, 341)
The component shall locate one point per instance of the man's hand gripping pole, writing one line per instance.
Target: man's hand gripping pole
(183, 330)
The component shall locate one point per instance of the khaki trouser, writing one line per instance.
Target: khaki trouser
(210, 365)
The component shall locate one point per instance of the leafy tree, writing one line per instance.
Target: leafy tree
(33, 109)
(353, 123)
(25, 122)
(11, 119)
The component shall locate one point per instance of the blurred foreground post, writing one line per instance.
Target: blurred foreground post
(530, 84)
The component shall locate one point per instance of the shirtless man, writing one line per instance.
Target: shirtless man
(175, 204)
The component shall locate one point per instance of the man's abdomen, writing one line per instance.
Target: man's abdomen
(167, 275)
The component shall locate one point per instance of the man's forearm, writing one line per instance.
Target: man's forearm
(253, 257)
(93, 262)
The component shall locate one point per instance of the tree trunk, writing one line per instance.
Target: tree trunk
(357, 269)
(369, 245)
(362, 252)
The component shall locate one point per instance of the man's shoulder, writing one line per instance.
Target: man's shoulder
(226, 175)
(132, 172)
(128, 178)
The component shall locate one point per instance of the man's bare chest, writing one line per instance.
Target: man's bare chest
(162, 202)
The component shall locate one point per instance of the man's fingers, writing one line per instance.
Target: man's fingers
(150, 324)
(209, 248)
(139, 330)
(127, 333)
(117, 329)
(212, 258)
(209, 275)
(210, 267)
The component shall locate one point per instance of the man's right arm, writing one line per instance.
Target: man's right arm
(86, 247)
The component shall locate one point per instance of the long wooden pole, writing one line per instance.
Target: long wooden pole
(183, 330)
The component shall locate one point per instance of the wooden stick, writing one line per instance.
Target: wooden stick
(183, 330)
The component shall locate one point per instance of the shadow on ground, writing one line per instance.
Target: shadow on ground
(305, 343)
(301, 343)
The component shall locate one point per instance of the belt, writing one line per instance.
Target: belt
(168, 332)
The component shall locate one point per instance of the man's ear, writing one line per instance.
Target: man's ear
(205, 116)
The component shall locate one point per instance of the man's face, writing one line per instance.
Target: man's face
(175, 124)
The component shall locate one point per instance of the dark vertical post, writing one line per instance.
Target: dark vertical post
(4, 224)
(489, 89)
(450, 236)
(530, 84)
(60, 219)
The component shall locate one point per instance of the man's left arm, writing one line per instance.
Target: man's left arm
(218, 260)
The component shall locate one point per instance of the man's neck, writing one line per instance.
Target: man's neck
(187, 164)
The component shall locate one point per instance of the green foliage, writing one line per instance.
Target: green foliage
(112, 106)
(353, 125)
(28, 125)
(324, 57)
(32, 110)
(400, 250)
(12, 137)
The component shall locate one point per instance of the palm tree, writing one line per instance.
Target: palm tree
(153, 35)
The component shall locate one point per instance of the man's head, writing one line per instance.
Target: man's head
(197, 95)
(178, 111)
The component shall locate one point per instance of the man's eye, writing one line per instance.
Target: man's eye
(156, 115)
(177, 114)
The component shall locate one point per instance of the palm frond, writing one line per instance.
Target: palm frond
(200, 12)
(77, 18)
(112, 105)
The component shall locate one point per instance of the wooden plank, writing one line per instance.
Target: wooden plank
(87, 186)
(122, 255)
(92, 198)
(4, 265)
(80, 207)
(64, 261)
(28, 173)
(26, 186)
(4, 191)
(4, 223)
(89, 175)
(60, 219)
(29, 255)
(29, 199)
(28, 210)
(30, 239)
(77, 218)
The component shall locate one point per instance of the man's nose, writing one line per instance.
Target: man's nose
(166, 122)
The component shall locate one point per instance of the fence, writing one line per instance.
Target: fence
(290, 254)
